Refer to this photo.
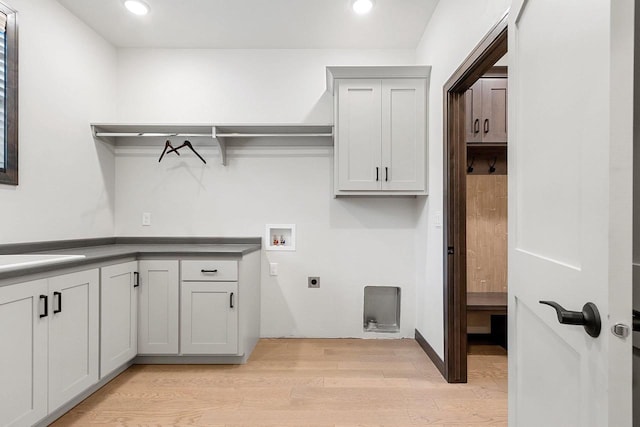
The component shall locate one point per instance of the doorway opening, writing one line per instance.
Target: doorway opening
(475, 150)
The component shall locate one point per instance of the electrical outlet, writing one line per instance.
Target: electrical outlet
(273, 268)
(146, 219)
(313, 282)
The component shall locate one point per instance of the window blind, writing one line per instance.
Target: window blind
(3, 69)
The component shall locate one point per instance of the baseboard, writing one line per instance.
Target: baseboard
(430, 352)
(49, 419)
(191, 360)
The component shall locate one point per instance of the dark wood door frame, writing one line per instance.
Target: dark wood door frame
(492, 47)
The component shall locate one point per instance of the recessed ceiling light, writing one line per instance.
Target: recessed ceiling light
(362, 7)
(137, 7)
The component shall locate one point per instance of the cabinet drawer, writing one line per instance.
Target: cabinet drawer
(212, 270)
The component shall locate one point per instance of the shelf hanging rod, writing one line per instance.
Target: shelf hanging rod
(152, 134)
(256, 135)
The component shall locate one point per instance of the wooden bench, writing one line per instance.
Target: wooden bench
(494, 304)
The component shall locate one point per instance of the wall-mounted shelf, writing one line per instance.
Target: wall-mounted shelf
(222, 134)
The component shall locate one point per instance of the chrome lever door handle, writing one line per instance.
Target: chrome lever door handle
(589, 317)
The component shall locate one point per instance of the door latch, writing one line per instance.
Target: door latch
(450, 250)
(620, 330)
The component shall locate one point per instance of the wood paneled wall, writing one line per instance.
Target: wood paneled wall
(487, 233)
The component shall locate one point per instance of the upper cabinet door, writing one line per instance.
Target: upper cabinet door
(403, 134)
(73, 335)
(118, 316)
(359, 115)
(494, 106)
(473, 114)
(23, 371)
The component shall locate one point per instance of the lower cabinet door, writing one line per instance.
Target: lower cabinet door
(23, 339)
(73, 335)
(118, 316)
(158, 308)
(209, 315)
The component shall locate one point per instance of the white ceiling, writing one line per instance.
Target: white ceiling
(258, 24)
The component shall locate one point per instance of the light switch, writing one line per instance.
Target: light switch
(273, 268)
(437, 219)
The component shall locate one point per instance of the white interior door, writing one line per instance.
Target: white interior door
(570, 193)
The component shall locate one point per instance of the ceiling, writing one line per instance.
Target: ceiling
(258, 24)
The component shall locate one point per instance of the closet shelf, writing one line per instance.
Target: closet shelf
(120, 133)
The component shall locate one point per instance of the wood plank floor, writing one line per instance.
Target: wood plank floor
(304, 382)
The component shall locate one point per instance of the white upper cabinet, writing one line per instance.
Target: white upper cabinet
(359, 133)
(381, 129)
(404, 148)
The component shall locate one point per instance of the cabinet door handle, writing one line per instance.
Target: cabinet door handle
(377, 173)
(386, 173)
(208, 271)
(136, 279)
(46, 305)
(59, 295)
(486, 125)
(476, 126)
(231, 300)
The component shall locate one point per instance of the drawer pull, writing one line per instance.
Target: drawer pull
(208, 271)
(231, 300)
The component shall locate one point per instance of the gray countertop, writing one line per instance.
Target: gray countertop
(134, 248)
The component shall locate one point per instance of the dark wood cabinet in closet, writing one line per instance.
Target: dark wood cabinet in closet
(486, 105)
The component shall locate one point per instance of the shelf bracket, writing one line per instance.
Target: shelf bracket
(105, 139)
(222, 144)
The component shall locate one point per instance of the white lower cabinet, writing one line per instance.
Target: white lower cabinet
(73, 335)
(49, 336)
(209, 316)
(59, 335)
(23, 339)
(118, 315)
(159, 307)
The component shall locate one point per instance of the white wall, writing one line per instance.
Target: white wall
(67, 79)
(349, 242)
(455, 28)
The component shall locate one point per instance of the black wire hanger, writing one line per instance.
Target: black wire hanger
(188, 144)
(167, 144)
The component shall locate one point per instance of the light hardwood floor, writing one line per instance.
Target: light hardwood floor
(304, 382)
